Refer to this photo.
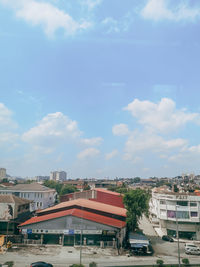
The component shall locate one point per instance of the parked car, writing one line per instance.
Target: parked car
(191, 248)
(41, 264)
(193, 251)
(167, 238)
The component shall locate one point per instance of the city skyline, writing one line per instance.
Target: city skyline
(100, 88)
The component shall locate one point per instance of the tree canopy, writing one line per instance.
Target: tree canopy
(61, 189)
(136, 203)
(67, 189)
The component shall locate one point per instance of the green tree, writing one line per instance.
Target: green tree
(76, 265)
(136, 202)
(160, 262)
(121, 190)
(53, 184)
(67, 189)
(186, 262)
(136, 180)
(86, 186)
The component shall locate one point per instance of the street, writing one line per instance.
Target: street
(61, 256)
(64, 256)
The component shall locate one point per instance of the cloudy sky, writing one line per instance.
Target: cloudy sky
(100, 88)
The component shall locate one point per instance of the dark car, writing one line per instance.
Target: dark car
(167, 238)
(41, 264)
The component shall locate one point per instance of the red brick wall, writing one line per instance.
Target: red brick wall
(111, 199)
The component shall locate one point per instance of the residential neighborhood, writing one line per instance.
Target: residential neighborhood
(98, 217)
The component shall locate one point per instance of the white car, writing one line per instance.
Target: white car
(192, 249)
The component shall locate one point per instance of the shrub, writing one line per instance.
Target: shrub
(93, 264)
(185, 262)
(77, 265)
(160, 262)
(9, 263)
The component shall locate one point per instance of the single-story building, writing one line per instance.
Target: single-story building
(76, 222)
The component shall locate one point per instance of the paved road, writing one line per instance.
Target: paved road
(65, 256)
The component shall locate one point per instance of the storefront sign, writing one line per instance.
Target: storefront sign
(29, 231)
(68, 232)
(181, 197)
(62, 231)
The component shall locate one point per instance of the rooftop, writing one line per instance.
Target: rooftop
(88, 204)
(28, 187)
(13, 199)
(77, 213)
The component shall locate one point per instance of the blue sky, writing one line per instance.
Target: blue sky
(100, 88)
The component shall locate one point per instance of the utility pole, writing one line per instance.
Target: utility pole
(81, 246)
(177, 235)
(81, 235)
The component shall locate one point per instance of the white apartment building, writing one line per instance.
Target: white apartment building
(2, 173)
(58, 176)
(171, 209)
(41, 196)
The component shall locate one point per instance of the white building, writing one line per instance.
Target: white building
(58, 176)
(169, 208)
(41, 196)
(2, 173)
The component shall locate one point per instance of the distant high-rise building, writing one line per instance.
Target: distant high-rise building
(58, 176)
(2, 173)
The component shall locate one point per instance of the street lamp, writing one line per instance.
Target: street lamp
(177, 234)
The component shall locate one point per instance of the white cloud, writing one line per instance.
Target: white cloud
(6, 120)
(8, 126)
(111, 154)
(117, 25)
(52, 128)
(162, 117)
(147, 142)
(88, 153)
(95, 141)
(159, 10)
(47, 15)
(120, 129)
(91, 4)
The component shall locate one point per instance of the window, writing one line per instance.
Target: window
(171, 214)
(182, 214)
(40, 204)
(162, 202)
(194, 214)
(193, 204)
(182, 203)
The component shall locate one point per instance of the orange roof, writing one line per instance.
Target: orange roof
(88, 204)
(108, 191)
(77, 213)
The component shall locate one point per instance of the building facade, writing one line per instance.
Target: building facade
(172, 210)
(2, 173)
(41, 197)
(77, 222)
(97, 194)
(58, 176)
(13, 210)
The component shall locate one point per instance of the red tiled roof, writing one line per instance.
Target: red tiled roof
(89, 204)
(77, 213)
